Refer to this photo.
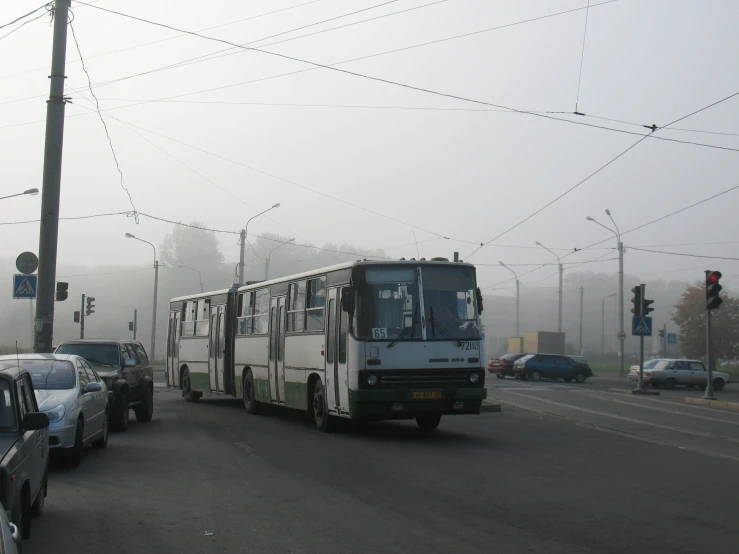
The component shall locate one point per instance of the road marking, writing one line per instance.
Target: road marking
(528, 387)
(694, 416)
(630, 420)
(625, 434)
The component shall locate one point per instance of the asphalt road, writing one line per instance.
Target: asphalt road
(564, 478)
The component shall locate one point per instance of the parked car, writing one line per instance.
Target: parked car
(551, 366)
(10, 536)
(670, 372)
(24, 447)
(504, 365)
(74, 397)
(124, 367)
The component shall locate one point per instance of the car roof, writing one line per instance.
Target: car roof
(97, 341)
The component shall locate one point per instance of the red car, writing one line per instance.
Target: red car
(504, 365)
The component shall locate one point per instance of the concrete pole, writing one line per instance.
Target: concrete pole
(603, 327)
(241, 257)
(559, 317)
(135, 323)
(266, 269)
(82, 318)
(52, 175)
(621, 357)
(582, 297)
(154, 312)
(518, 299)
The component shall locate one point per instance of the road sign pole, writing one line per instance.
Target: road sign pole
(135, 314)
(82, 318)
(640, 386)
(664, 338)
(52, 174)
(709, 395)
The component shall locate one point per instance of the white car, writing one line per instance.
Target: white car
(670, 372)
(74, 397)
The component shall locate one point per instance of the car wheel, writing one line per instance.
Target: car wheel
(580, 377)
(74, 456)
(37, 509)
(670, 384)
(187, 393)
(145, 410)
(23, 520)
(718, 384)
(654, 384)
(250, 402)
(535, 375)
(517, 377)
(500, 375)
(428, 422)
(119, 417)
(102, 442)
(323, 420)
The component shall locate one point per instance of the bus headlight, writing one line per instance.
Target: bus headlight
(372, 380)
(474, 378)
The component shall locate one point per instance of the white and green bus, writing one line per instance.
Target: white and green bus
(365, 340)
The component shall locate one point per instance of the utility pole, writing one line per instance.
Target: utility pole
(561, 270)
(582, 297)
(49, 228)
(135, 323)
(241, 257)
(154, 314)
(518, 304)
(603, 327)
(664, 339)
(621, 332)
(82, 318)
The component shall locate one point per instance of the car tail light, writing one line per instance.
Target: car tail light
(648, 373)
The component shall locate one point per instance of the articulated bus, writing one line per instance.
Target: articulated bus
(364, 340)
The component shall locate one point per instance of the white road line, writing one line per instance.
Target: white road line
(629, 419)
(655, 408)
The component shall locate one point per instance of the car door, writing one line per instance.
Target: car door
(699, 375)
(563, 367)
(682, 372)
(545, 365)
(129, 373)
(95, 402)
(35, 444)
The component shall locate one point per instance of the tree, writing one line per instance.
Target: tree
(690, 316)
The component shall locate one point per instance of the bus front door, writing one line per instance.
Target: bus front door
(277, 348)
(337, 377)
(173, 350)
(213, 348)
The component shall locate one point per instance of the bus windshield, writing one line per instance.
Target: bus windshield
(390, 307)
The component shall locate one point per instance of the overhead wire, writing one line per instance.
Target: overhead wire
(22, 17)
(582, 56)
(683, 254)
(23, 25)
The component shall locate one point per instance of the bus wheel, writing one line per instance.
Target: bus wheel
(250, 403)
(428, 422)
(320, 411)
(187, 392)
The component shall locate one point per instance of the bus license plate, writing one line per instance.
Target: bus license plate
(431, 394)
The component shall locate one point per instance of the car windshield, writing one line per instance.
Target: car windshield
(526, 358)
(389, 305)
(100, 355)
(651, 364)
(7, 407)
(50, 374)
(511, 357)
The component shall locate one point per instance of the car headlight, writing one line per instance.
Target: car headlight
(474, 378)
(372, 380)
(56, 414)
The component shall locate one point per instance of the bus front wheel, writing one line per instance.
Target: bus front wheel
(323, 420)
(250, 402)
(428, 422)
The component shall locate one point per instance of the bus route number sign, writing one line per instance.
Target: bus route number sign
(379, 333)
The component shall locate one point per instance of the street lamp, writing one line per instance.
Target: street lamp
(31, 192)
(518, 297)
(561, 269)
(196, 271)
(621, 333)
(603, 322)
(269, 257)
(243, 242)
(156, 284)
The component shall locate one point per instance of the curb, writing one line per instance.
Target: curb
(488, 407)
(718, 404)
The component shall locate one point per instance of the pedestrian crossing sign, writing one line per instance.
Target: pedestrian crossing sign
(641, 326)
(24, 286)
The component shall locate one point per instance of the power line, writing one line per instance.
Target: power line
(16, 20)
(582, 55)
(23, 25)
(683, 254)
(100, 115)
(129, 214)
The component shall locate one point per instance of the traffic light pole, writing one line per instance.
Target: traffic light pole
(135, 323)
(709, 394)
(640, 385)
(621, 332)
(82, 318)
(52, 175)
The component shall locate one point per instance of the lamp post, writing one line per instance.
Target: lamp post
(156, 283)
(200, 277)
(243, 242)
(31, 192)
(561, 269)
(603, 322)
(269, 257)
(621, 333)
(518, 297)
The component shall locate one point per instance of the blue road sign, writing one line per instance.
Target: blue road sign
(641, 326)
(24, 286)
(671, 338)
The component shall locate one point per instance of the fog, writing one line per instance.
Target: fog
(374, 168)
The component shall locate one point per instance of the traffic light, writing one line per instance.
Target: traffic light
(76, 317)
(713, 288)
(637, 300)
(90, 305)
(61, 291)
(661, 333)
(645, 307)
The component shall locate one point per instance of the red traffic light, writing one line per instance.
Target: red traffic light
(714, 277)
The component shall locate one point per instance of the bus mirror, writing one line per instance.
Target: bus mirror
(347, 300)
(479, 300)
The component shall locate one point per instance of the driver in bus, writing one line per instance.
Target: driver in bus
(437, 310)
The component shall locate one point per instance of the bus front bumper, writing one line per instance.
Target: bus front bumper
(401, 404)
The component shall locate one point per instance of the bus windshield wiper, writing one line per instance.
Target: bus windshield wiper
(444, 330)
(405, 331)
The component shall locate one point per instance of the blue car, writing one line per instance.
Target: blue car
(551, 366)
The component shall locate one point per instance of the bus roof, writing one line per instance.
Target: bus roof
(319, 271)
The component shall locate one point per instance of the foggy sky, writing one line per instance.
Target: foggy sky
(464, 174)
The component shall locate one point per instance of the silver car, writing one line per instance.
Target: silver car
(73, 396)
(670, 372)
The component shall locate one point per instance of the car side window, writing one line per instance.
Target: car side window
(132, 352)
(545, 359)
(561, 360)
(84, 379)
(28, 394)
(143, 358)
(22, 405)
(90, 372)
(681, 365)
